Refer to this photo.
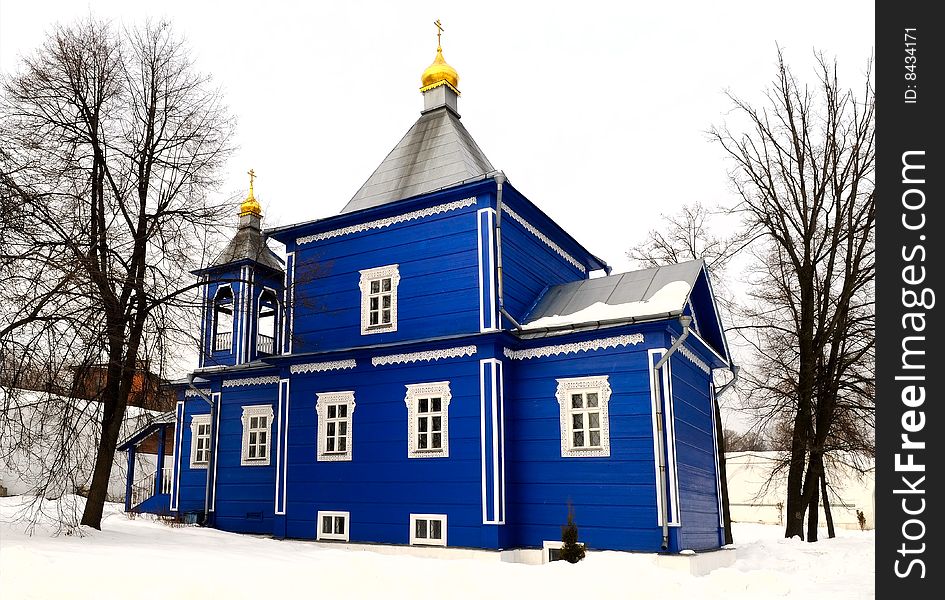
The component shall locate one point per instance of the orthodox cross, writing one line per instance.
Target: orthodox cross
(439, 31)
(252, 177)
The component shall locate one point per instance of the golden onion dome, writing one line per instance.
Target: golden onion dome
(439, 72)
(250, 206)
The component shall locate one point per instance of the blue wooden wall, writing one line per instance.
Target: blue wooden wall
(381, 486)
(438, 293)
(243, 498)
(191, 482)
(695, 454)
(529, 265)
(613, 498)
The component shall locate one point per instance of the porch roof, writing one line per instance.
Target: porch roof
(163, 419)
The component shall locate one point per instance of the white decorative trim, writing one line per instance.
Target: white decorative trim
(488, 316)
(381, 223)
(321, 535)
(318, 367)
(692, 357)
(214, 324)
(368, 275)
(192, 393)
(544, 239)
(415, 391)
(410, 357)
(289, 292)
(270, 380)
(321, 408)
(195, 421)
(282, 447)
(215, 401)
(492, 447)
(668, 431)
(178, 453)
(586, 346)
(427, 541)
(259, 410)
(601, 386)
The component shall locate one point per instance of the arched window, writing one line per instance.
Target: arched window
(266, 323)
(223, 319)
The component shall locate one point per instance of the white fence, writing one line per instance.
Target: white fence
(757, 497)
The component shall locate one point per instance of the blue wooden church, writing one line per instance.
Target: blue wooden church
(442, 364)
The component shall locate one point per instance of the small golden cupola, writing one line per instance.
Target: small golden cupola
(440, 72)
(250, 206)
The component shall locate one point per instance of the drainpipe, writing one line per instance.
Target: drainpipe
(723, 472)
(212, 454)
(685, 321)
(734, 370)
(499, 180)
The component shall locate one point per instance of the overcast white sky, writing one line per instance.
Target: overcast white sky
(595, 111)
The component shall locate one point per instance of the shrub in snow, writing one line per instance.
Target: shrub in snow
(571, 551)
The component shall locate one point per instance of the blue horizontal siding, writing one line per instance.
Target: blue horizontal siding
(241, 490)
(192, 482)
(529, 265)
(381, 486)
(438, 293)
(613, 497)
(695, 456)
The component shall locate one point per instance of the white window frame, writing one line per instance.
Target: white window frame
(598, 384)
(427, 541)
(548, 545)
(342, 537)
(260, 410)
(416, 391)
(321, 411)
(391, 272)
(197, 421)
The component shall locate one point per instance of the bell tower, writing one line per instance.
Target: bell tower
(243, 299)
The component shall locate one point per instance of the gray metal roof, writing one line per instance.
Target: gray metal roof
(635, 286)
(249, 243)
(435, 153)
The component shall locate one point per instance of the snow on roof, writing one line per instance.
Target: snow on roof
(668, 300)
(659, 292)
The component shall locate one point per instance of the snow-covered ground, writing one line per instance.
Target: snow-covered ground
(146, 559)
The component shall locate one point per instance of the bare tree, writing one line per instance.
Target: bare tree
(685, 236)
(748, 441)
(109, 145)
(803, 170)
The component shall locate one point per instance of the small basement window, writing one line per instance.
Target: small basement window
(379, 299)
(333, 525)
(428, 530)
(551, 550)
